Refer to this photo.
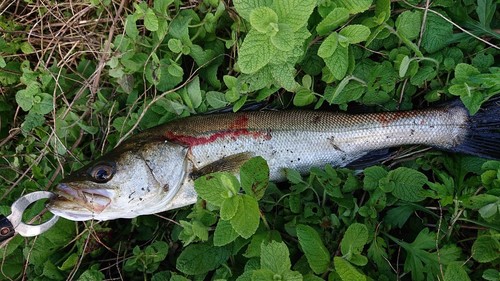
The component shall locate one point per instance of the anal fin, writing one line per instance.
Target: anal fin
(231, 163)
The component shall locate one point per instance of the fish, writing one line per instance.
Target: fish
(154, 171)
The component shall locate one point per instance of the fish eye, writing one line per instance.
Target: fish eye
(102, 172)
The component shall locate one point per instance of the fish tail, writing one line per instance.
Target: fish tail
(483, 132)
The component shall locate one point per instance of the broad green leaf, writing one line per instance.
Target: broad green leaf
(150, 20)
(355, 6)
(245, 7)
(338, 62)
(92, 274)
(275, 257)
(317, 255)
(194, 92)
(246, 220)
(198, 259)
(284, 75)
(355, 33)
(303, 97)
(354, 239)
(224, 233)
(334, 19)
(346, 271)
(485, 11)
(43, 103)
(214, 188)
(161, 6)
(486, 249)
(403, 66)
(216, 99)
(491, 275)
(408, 24)
(437, 33)
(455, 271)
(328, 46)
(264, 20)
(408, 184)
(131, 26)
(372, 177)
(283, 39)
(254, 177)
(295, 13)
(255, 52)
(464, 71)
(2, 62)
(262, 275)
(229, 207)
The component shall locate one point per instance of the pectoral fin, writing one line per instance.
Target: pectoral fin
(231, 163)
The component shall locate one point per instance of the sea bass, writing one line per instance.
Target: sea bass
(154, 171)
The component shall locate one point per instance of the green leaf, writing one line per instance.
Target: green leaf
(408, 184)
(284, 75)
(229, 207)
(43, 103)
(224, 233)
(275, 257)
(264, 20)
(246, 220)
(485, 11)
(255, 52)
(455, 271)
(254, 177)
(372, 177)
(437, 33)
(262, 275)
(150, 20)
(295, 13)
(303, 97)
(355, 33)
(284, 39)
(131, 26)
(92, 274)
(355, 238)
(328, 46)
(194, 92)
(403, 67)
(355, 6)
(338, 62)
(346, 271)
(491, 275)
(317, 255)
(216, 99)
(334, 19)
(245, 7)
(198, 259)
(408, 24)
(486, 249)
(2, 62)
(215, 188)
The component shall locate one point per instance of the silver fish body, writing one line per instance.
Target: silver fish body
(153, 171)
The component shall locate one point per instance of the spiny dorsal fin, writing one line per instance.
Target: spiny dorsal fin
(231, 163)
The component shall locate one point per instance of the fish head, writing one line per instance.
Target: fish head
(134, 179)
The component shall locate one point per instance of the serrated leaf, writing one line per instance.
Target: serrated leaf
(255, 52)
(214, 187)
(263, 19)
(355, 238)
(198, 259)
(355, 6)
(150, 20)
(372, 177)
(408, 24)
(317, 255)
(245, 7)
(355, 33)
(408, 184)
(328, 46)
(284, 75)
(275, 257)
(284, 39)
(246, 220)
(254, 177)
(486, 249)
(229, 207)
(338, 62)
(131, 27)
(295, 13)
(224, 233)
(437, 33)
(455, 271)
(346, 271)
(334, 19)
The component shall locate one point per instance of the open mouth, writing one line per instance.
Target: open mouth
(95, 200)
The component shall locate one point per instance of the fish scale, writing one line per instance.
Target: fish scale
(154, 171)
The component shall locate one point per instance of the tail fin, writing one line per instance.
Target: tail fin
(483, 138)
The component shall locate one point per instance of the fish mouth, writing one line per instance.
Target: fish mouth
(86, 200)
